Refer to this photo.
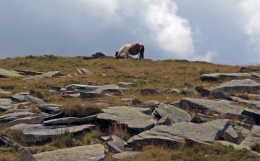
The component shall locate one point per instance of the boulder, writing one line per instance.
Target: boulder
(221, 76)
(138, 119)
(26, 155)
(13, 116)
(44, 75)
(253, 138)
(196, 118)
(202, 106)
(5, 104)
(173, 113)
(26, 97)
(124, 155)
(70, 120)
(28, 72)
(116, 145)
(149, 91)
(230, 134)
(87, 152)
(38, 133)
(176, 133)
(27, 120)
(239, 86)
(217, 94)
(7, 74)
(125, 84)
(203, 92)
(50, 108)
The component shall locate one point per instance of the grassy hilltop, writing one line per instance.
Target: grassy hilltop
(162, 75)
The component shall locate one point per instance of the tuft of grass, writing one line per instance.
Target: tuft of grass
(81, 110)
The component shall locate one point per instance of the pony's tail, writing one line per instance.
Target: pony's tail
(142, 52)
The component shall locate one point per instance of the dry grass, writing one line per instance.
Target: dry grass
(162, 75)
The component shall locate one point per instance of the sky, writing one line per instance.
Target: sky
(222, 32)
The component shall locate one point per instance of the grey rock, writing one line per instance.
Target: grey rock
(70, 120)
(230, 135)
(38, 133)
(202, 106)
(26, 155)
(203, 92)
(196, 118)
(5, 104)
(252, 138)
(164, 121)
(108, 67)
(252, 104)
(28, 72)
(242, 131)
(136, 101)
(81, 87)
(44, 75)
(85, 71)
(27, 120)
(124, 155)
(217, 94)
(149, 91)
(26, 97)
(253, 114)
(79, 153)
(4, 140)
(134, 118)
(151, 104)
(177, 132)
(125, 84)
(173, 113)
(13, 116)
(239, 86)
(116, 145)
(6, 73)
(220, 76)
(2, 92)
(50, 108)
(99, 92)
(175, 91)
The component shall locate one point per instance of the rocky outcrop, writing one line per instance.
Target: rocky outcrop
(44, 75)
(173, 113)
(239, 86)
(38, 133)
(253, 138)
(221, 76)
(138, 119)
(6, 73)
(88, 152)
(177, 133)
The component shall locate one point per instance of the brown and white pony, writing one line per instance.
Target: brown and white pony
(131, 49)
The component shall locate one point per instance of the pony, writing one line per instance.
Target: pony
(131, 49)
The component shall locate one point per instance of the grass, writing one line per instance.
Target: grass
(162, 75)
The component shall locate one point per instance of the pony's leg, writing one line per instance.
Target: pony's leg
(126, 56)
(139, 56)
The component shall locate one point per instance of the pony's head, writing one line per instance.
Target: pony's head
(116, 55)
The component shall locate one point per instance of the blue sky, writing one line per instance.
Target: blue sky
(225, 32)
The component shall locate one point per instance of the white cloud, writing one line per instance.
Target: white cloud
(172, 32)
(208, 57)
(251, 23)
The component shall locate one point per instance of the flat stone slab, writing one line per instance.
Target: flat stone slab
(5, 104)
(79, 153)
(240, 86)
(172, 112)
(103, 89)
(81, 87)
(50, 74)
(26, 97)
(116, 145)
(27, 120)
(13, 116)
(125, 84)
(220, 76)
(252, 138)
(7, 74)
(202, 105)
(135, 118)
(178, 132)
(124, 155)
(39, 133)
(70, 120)
(50, 108)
